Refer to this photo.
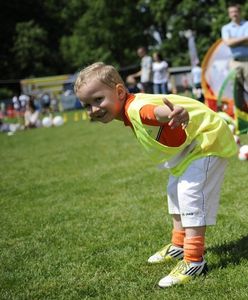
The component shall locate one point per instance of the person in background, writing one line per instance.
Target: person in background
(132, 85)
(9, 128)
(45, 103)
(16, 103)
(31, 115)
(23, 99)
(160, 74)
(186, 84)
(196, 73)
(235, 36)
(54, 104)
(145, 72)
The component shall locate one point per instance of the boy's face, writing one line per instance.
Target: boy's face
(102, 102)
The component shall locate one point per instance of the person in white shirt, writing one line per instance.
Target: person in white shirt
(235, 35)
(160, 74)
(145, 72)
(196, 73)
(16, 103)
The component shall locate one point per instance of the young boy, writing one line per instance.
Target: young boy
(194, 154)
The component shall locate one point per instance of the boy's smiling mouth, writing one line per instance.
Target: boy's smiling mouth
(101, 114)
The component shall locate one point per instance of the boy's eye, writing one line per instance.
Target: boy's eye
(87, 106)
(95, 102)
(98, 100)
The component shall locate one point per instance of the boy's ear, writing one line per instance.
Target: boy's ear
(121, 91)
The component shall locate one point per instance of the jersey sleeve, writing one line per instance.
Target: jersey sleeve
(166, 135)
(147, 115)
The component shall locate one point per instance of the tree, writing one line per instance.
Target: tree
(30, 48)
(106, 31)
(172, 18)
(49, 37)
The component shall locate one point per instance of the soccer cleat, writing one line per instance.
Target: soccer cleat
(166, 254)
(183, 272)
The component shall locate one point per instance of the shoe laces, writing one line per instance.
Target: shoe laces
(180, 268)
(164, 250)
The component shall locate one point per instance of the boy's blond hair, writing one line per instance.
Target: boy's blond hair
(107, 74)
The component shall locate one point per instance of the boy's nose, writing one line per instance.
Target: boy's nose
(95, 109)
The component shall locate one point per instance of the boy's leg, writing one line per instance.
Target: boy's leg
(194, 244)
(185, 242)
(178, 232)
(173, 250)
(193, 263)
(198, 197)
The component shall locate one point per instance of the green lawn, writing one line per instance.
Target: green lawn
(82, 208)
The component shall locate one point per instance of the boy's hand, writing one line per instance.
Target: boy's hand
(178, 116)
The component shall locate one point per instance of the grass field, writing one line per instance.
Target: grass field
(82, 208)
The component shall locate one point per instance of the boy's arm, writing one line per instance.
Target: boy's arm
(174, 114)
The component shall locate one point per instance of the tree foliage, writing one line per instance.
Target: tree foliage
(30, 48)
(106, 31)
(58, 36)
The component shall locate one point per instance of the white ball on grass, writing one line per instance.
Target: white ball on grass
(47, 122)
(242, 156)
(244, 149)
(58, 121)
(243, 152)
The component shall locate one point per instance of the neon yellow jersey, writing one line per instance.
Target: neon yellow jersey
(207, 133)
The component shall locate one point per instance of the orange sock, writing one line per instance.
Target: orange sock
(178, 237)
(194, 248)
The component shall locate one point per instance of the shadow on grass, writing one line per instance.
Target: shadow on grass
(231, 253)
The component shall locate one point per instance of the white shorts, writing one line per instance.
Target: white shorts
(195, 194)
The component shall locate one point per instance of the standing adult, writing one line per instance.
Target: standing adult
(16, 103)
(145, 72)
(160, 74)
(196, 73)
(235, 35)
(45, 103)
(23, 100)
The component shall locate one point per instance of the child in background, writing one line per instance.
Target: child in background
(132, 85)
(31, 115)
(195, 154)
